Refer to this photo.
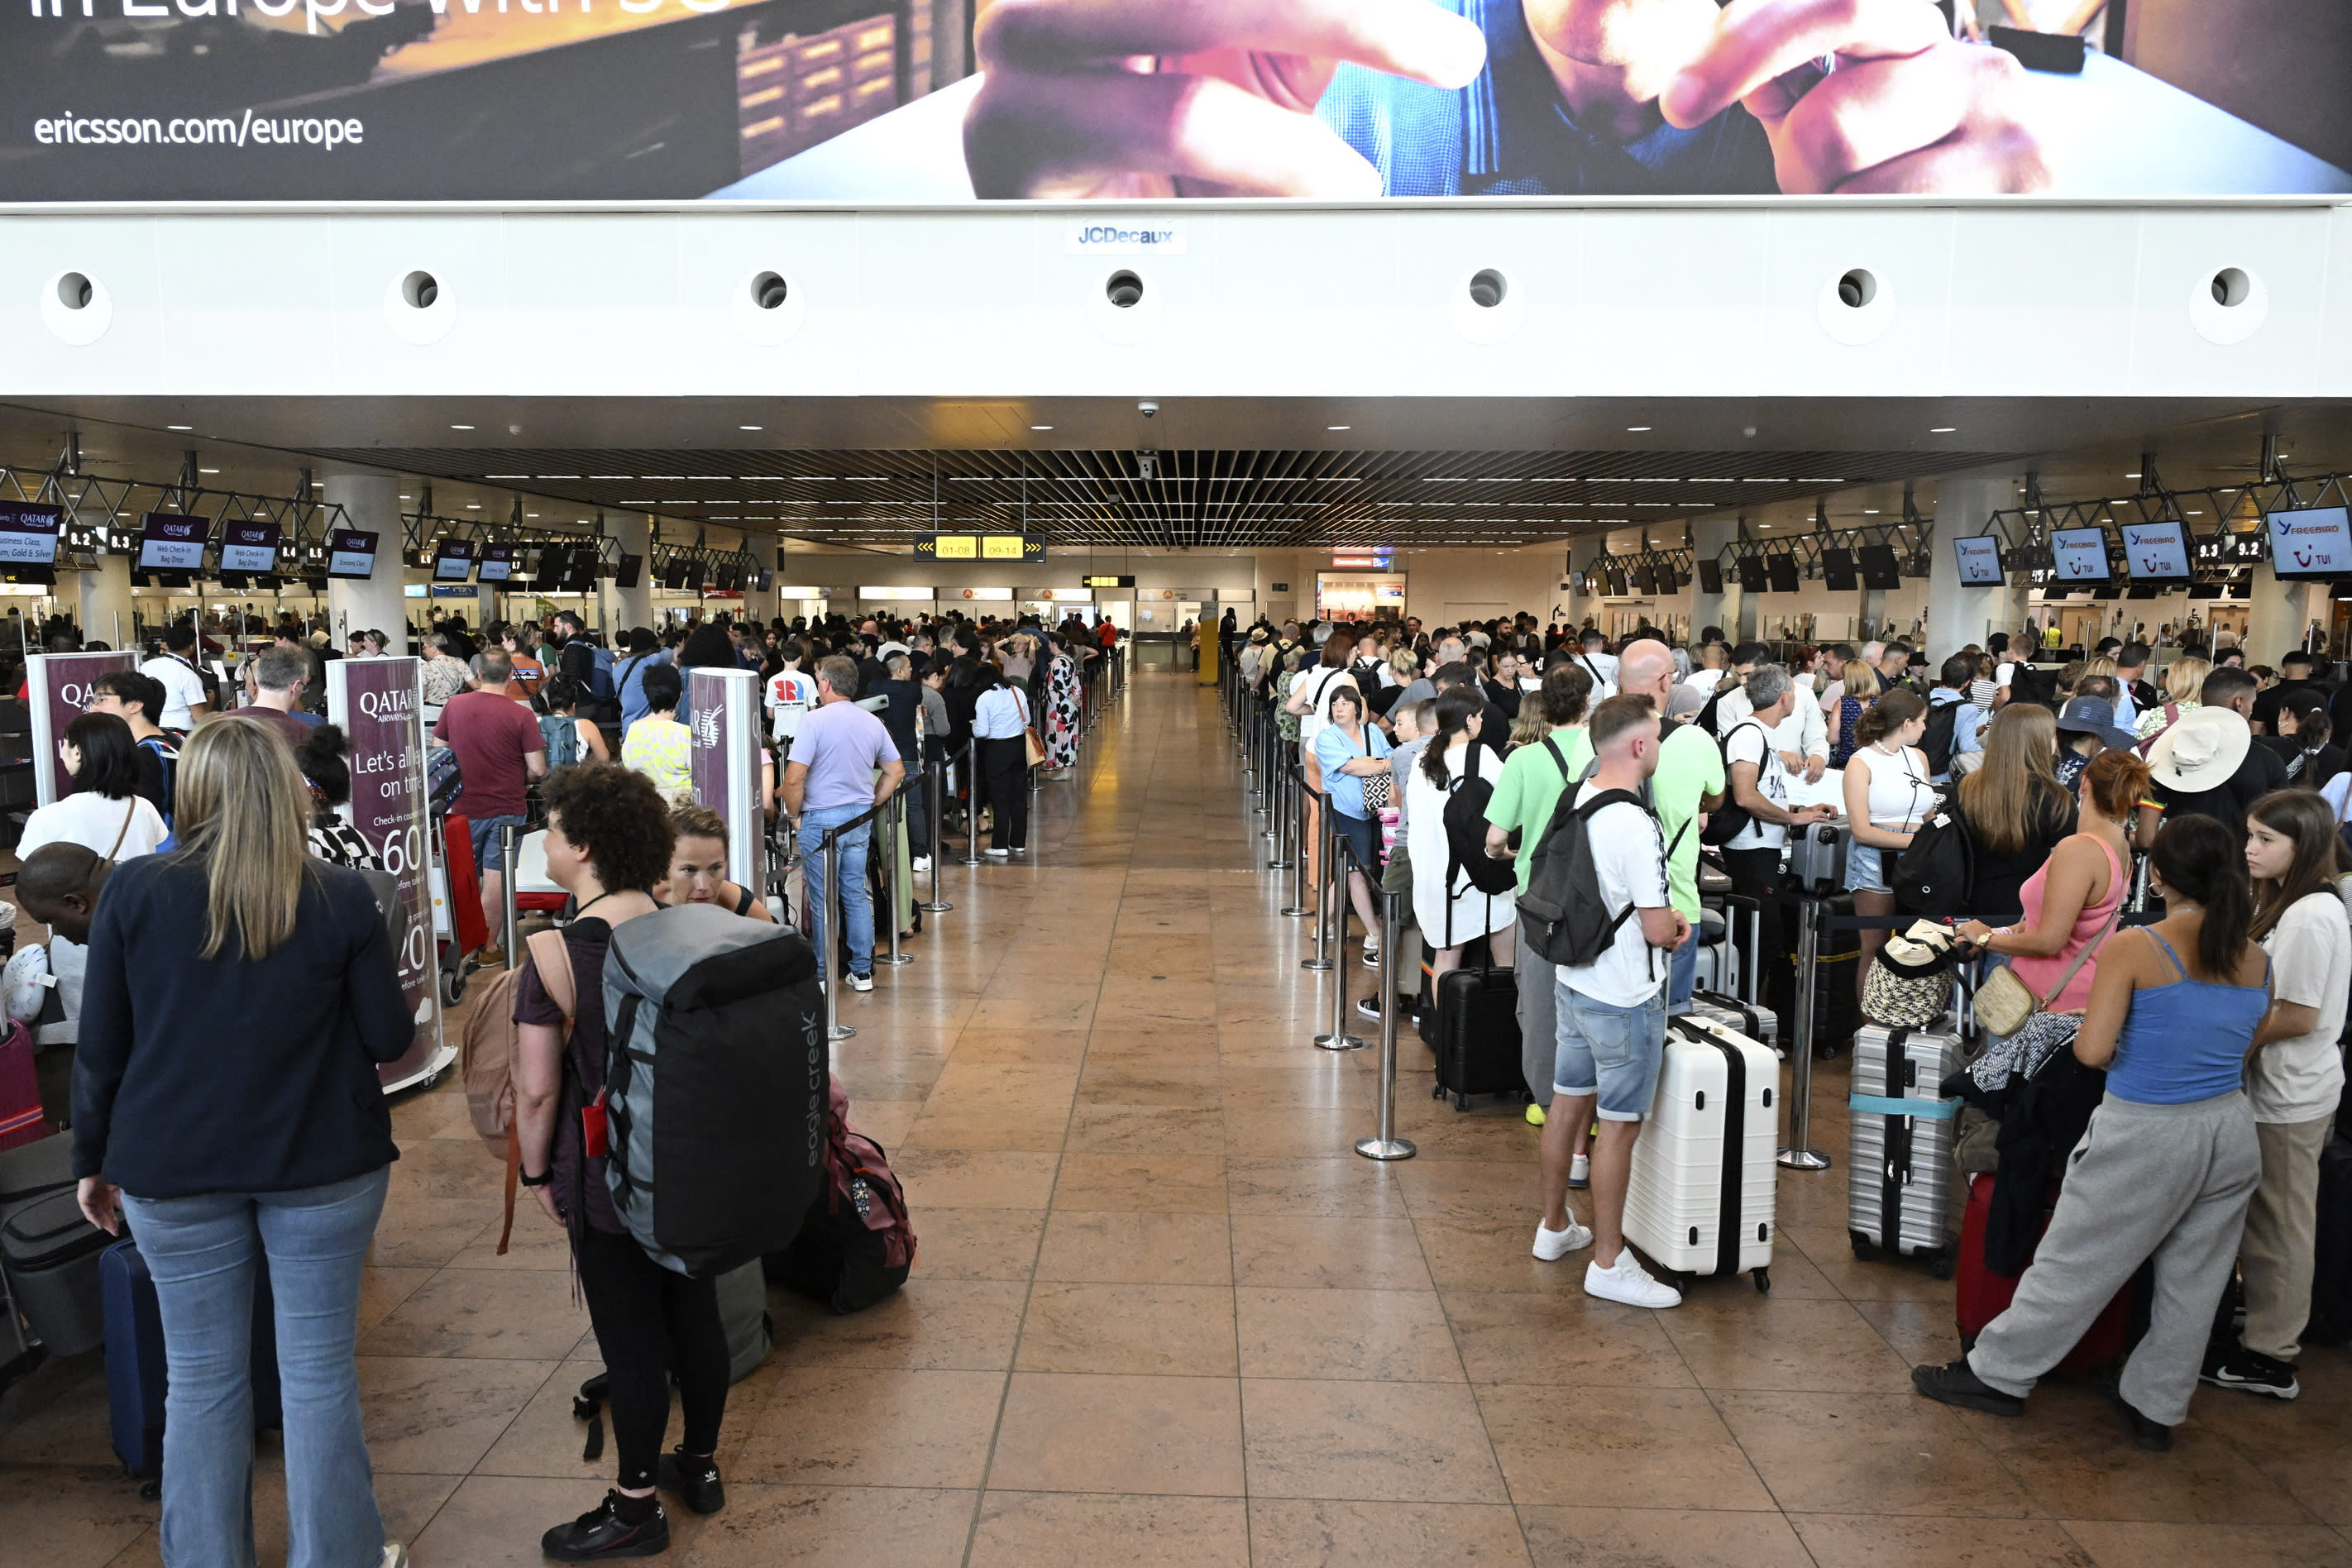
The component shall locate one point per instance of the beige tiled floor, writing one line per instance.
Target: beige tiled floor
(1162, 1314)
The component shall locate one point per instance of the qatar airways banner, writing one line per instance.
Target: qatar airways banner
(932, 101)
(378, 704)
(58, 691)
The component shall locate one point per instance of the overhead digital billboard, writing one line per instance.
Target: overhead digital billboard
(2079, 554)
(937, 100)
(2316, 542)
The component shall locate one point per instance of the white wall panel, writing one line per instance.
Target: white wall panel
(1669, 298)
(2181, 250)
(367, 254)
(1909, 255)
(2024, 296)
(1615, 300)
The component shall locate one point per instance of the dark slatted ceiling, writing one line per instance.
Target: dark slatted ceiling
(1202, 499)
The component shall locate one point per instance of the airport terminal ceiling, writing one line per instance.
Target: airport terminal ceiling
(1223, 474)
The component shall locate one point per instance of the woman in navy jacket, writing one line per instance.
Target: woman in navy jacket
(240, 994)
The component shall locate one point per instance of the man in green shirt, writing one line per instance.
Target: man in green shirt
(1529, 788)
(1688, 783)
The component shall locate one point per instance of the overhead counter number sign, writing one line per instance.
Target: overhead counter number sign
(980, 546)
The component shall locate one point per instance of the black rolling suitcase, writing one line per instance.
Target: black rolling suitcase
(1477, 1035)
(2331, 1273)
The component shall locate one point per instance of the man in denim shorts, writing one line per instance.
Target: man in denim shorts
(1613, 1014)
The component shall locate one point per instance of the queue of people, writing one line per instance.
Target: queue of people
(2206, 1010)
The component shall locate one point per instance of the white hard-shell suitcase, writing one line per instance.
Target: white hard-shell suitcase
(1704, 1179)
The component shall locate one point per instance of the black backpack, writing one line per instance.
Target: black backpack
(1465, 838)
(1562, 915)
(1936, 876)
(2039, 686)
(1936, 745)
(1729, 820)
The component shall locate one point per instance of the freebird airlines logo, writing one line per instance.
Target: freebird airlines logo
(2313, 544)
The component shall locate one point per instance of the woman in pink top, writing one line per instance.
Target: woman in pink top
(2073, 897)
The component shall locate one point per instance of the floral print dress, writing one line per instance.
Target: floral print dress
(1062, 710)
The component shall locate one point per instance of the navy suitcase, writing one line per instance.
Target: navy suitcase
(135, 1380)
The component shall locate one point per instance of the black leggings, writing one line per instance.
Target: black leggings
(650, 1322)
(1005, 765)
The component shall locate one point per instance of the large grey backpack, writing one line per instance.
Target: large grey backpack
(717, 1083)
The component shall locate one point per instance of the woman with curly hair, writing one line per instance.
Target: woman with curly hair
(609, 840)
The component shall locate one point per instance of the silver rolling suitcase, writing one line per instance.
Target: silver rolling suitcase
(1817, 857)
(1900, 1175)
(1704, 1181)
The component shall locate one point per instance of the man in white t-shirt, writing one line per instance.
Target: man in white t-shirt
(1611, 1028)
(791, 691)
(1599, 664)
(1759, 784)
(1803, 738)
(175, 670)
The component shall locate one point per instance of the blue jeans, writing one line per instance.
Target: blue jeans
(486, 840)
(203, 1252)
(1610, 1052)
(857, 903)
(1682, 978)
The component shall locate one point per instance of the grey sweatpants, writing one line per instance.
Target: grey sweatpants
(1538, 1020)
(2169, 1182)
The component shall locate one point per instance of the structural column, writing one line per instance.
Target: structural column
(2280, 615)
(370, 502)
(1958, 613)
(104, 611)
(1707, 537)
(632, 606)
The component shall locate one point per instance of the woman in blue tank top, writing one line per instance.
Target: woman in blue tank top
(2170, 1159)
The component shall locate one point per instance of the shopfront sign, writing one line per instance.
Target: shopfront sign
(57, 690)
(379, 703)
(723, 762)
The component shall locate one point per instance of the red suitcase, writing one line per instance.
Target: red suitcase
(1984, 1295)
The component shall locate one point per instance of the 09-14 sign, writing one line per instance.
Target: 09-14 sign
(980, 547)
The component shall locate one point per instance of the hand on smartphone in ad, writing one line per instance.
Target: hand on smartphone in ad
(1908, 108)
(1127, 97)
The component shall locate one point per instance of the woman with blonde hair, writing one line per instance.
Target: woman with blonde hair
(2015, 810)
(2184, 679)
(234, 1116)
(1845, 717)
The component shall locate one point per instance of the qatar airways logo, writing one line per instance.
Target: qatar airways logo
(382, 706)
(706, 726)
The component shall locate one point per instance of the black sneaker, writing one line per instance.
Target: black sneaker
(2156, 1437)
(2252, 1372)
(601, 1532)
(1369, 1008)
(1954, 1383)
(694, 1482)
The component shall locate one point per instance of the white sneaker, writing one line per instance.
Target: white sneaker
(1579, 1171)
(396, 1556)
(861, 982)
(997, 854)
(1551, 1245)
(1628, 1283)
(1372, 945)
(922, 862)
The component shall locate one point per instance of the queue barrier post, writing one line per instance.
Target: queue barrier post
(971, 803)
(1800, 1155)
(935, 791)
(1384, 1144)
(1289, 818)
(1320, 909)
(891, 823)
(830, 936)
(1336, 881)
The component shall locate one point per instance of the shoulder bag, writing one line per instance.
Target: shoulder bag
(2004, 1005)
(1035, 747)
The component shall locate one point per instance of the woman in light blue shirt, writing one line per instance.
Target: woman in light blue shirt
(999, 721)
(1350, 751)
